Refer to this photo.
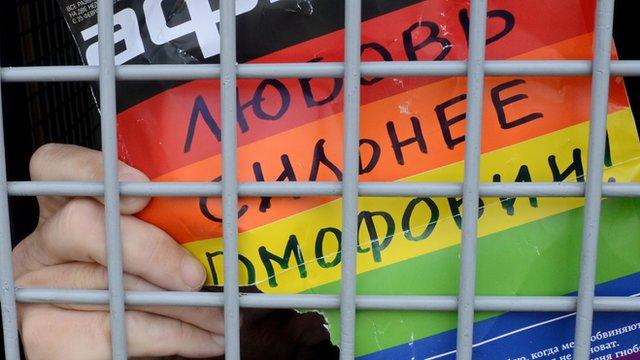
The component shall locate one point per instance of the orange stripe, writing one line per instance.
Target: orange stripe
(563, 101)
(163, 119)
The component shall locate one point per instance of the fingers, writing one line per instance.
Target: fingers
(94, 277)
(77, 233)
(50, 332)
(58, 162)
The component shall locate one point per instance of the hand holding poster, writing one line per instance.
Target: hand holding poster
(535, 129)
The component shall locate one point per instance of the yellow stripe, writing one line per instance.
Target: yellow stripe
(533, 153)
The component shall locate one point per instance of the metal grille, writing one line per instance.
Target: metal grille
(466, 303)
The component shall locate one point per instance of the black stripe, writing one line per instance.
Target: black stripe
(265, 29)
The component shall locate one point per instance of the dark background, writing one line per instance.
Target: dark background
(33, 32)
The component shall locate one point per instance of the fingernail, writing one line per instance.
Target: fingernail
(193, 273)
(132, 205)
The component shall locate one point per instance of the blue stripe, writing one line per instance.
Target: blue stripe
(523, 343)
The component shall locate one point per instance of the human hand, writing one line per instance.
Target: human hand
(67, 250)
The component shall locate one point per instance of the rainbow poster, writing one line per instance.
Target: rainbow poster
(535, 129)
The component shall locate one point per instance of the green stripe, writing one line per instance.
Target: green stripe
(539, 258)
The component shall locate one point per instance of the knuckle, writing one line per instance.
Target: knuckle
(82, 208)
(24, 258)
(78, 225)
(79, 216)
(29, 255)
(20, 251)
(91, 276)
(86, 162)
(155, 251)
(90, 164)
(158, 247)
(42, 159)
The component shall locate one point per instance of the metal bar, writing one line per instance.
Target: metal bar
(55, 188)
(49, 73)
(351, 136)
(593, 189)
(229, 178)
(470, 187)
(625, 68)
(7, 292)
(314, 301)
(315, 70)
(108, 130)
(303, 188)
(348, 301)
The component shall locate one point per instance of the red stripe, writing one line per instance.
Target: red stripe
(152, 134)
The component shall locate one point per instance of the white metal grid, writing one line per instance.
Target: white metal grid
(466, 304)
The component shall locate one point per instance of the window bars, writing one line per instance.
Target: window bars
(466, 304)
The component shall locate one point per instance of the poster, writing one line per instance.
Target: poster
(535, 129)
